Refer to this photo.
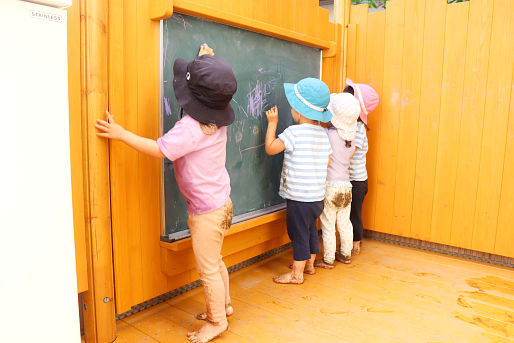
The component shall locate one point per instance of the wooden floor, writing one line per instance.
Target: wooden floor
(388, 294)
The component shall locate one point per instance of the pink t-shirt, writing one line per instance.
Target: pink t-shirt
(199, 163)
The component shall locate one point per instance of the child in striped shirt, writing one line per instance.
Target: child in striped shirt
(307, 155)
(368, 99)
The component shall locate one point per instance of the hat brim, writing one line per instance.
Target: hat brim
(303, 109)
(194, 107)
(358, 95)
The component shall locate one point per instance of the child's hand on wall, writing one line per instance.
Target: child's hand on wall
(109, 129)
(205, 50)
(272, 116)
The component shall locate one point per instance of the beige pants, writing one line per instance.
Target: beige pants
(336, 212)
(207, 232)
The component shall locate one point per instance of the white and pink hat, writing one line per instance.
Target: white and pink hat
(345, 109)
(367, 97)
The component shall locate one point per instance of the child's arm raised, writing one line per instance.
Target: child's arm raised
(109, 129)
(273, 145)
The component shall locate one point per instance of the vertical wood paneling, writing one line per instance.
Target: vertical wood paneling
(390, 100)
(274, 12)
(429, 108)
(359, 16)
(149, 167)
(96, 92)
(449, 121)
(124, 168)
(300, 25)
(444, 149)
(288, 14)
(76, 137)
(473, 105)
(322, 17)
(374, 74)
(499, 85)
(259, 10)
(409, 108)
(351, 51)
(505, 232)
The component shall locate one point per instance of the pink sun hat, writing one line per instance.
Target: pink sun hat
(367, 97)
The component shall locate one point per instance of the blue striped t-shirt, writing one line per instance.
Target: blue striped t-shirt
(305, 162)
(358, 162)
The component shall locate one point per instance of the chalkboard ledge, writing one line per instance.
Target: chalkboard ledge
(184, 244)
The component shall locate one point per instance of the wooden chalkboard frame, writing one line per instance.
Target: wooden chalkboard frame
(238, 218)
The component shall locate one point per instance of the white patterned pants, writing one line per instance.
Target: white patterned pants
(336, 213)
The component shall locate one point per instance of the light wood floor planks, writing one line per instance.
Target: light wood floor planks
(388, 294)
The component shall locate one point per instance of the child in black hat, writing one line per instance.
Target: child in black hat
(197, 146)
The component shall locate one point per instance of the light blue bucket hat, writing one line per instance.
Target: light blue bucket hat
(310, 98)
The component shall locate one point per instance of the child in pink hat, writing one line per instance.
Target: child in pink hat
(368, 100)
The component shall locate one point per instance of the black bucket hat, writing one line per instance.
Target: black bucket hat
(204, 88)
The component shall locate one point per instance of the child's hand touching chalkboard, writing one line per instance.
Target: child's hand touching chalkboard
(272, 116)
(205, 50)
(273, 145)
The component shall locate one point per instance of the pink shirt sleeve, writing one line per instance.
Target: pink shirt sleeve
(180, 140)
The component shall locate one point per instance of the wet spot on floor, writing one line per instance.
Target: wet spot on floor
(462, 302)
(427, 274)
(378, 310)
(332, 311)
(428, 297)
(486, 323)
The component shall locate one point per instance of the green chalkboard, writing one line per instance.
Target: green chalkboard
(261, 65)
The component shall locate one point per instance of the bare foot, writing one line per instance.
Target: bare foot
(344, 259)
(288, 278)
(323, 264)
(356, 248)
(207, 333)
(228, 309)
(309, 269)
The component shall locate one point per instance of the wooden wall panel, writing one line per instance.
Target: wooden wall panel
(499, 85)
(408, 117)
(390, 102)
(444, 147)
(473, 107)
(150, 171)
(359, 16)
(505, 231)
(429, 108)
(76, 139)
(124, 160)
(449, 122)
(374, 73)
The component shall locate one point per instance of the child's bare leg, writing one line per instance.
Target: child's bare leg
(295, 276)
(309, 265)
(356, 247)
(229, 310)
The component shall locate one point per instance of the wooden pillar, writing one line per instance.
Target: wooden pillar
(342, 16)
(99, 314)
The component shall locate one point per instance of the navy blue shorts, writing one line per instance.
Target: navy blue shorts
(301, 227)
